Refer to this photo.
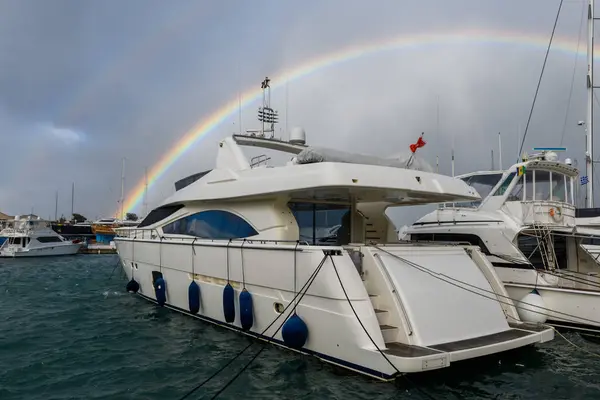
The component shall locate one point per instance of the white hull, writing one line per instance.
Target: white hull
(335, 334)
(565, 306)
(58, 250)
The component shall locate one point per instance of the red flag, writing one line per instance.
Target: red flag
(420, 143)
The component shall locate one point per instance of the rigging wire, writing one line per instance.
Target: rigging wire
(541, 75)
(371, 339)
(290, 304)
(449, 280)
(562, 135)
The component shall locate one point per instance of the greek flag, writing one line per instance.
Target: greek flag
(584, 180)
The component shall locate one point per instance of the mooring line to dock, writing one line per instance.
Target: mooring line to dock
(292, 304)
(439, 276)
(371, 339)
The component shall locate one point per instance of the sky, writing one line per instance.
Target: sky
(84, 84)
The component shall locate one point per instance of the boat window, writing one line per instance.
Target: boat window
(159, 214)
(516, 194)
(213, 224)
(502, 189)
(49, 239)
(558, 187)
(529, 185)
(568, 183)
(322, 224)
(16, 240)
(542, 185)
(483, 184)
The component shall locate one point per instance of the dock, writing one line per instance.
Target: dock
(98, 248)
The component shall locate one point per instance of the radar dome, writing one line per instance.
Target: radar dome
(298, 136)
(551, 156)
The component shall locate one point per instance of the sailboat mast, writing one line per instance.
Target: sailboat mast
(72, 199)
(590, 108)
(146, 191)
(122, 186)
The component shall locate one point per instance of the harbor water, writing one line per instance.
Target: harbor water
(68, 330)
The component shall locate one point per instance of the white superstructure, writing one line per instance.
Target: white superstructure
(304, 255)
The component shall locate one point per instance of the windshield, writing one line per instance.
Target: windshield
(482, 183)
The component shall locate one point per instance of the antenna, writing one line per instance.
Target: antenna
(239, 99)
(266, 114)
(146, 190)
(452, 152)
(492, 160)
(56, 207)
(122, 187)
(518, 140)
(499, 151)
(72, 198)
(437, 165)
(589, 128)
(286, 105)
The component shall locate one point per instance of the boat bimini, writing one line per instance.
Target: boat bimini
(33, 237)
(526, 226)
(226, 249)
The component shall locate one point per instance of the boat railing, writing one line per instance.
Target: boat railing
(259, 160)
(153, 234)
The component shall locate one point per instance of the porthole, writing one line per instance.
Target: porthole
(278, 307)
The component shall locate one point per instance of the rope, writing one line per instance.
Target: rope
(227, 258)
(540, 79)
(242, 262)
(193, 257)
(290, 304)
(496, 295)
(369, 336)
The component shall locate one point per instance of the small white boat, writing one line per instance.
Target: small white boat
(227, 249)
(34, 237)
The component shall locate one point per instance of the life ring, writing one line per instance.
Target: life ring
(556, 213)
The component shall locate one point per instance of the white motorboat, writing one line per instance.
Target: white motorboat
(226, 248)
(526, 226)
(33, 237)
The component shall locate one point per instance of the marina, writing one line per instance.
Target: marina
(299, 240)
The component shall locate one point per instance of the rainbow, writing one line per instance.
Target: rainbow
(405, 42)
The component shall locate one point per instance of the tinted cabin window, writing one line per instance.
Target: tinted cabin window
(483, 184)
(502, 189)
(49, 239)
(159, 214)
(451, 238)
(213, 224)
(322, 224)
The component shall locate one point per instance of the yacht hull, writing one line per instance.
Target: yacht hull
(62, 250)
(267, 273)
(578, 309)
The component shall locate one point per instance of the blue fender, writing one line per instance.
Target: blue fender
(194, 297)
(228, 303)
(246, 310)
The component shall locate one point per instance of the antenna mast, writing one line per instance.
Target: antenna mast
(499, 151)
(122, 187)
(145, 191)
(266, 114)
(590, 108)
(72, 198)
(56, 207)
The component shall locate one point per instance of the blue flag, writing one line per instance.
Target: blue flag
(584, 180)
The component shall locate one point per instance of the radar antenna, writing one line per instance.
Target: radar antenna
(266, 114)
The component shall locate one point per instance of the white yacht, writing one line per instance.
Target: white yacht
(226, 249)
(526, 226)
(33, 237)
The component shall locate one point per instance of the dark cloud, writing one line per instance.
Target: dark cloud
(84, 84)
